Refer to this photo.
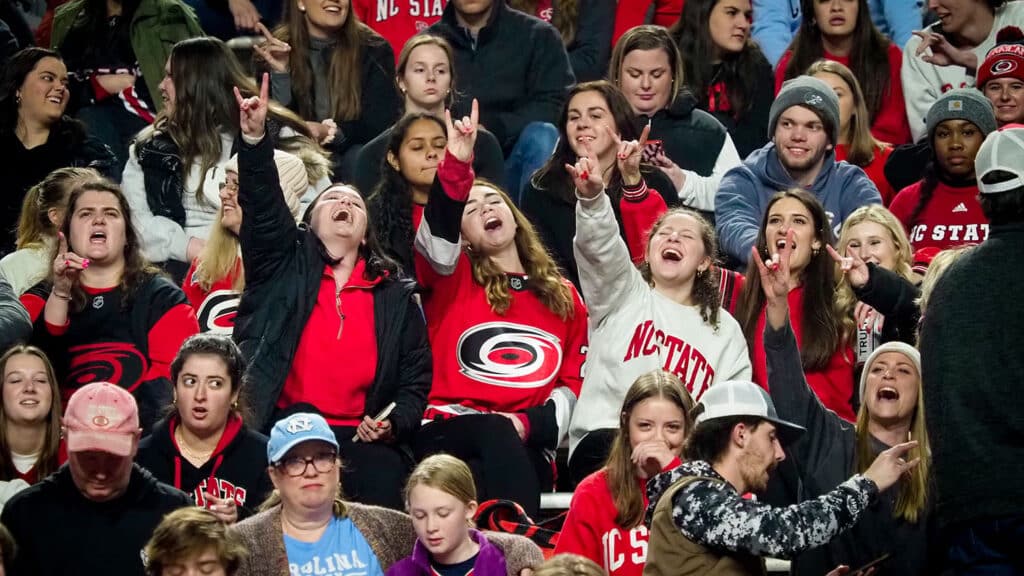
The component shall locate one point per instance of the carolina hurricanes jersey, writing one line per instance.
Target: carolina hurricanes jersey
(952, 217)
(215, 308)
(398, 20)
(486, 362)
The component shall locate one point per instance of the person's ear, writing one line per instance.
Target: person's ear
(471, 508)
(739, 435)
(393, 162)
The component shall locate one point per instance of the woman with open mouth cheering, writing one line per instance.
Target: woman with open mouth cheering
(508, 332)
(324, 320)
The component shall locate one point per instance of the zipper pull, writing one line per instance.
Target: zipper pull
(341, 313)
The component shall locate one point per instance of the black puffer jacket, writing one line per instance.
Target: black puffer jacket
(282, 278)
(692, 138)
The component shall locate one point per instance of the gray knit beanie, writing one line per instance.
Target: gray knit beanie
(962, 104)
(811, 93)
(895, 346)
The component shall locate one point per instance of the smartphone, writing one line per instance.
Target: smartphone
(876, 562)
(652, 149)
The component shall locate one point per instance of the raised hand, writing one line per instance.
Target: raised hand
(853, 268)
(66, 268)
(272, 50)
(890, 465)
(774, 271)
(252, 112)
(462, 133)
(246, 16)
(943, 53)
(587, 174)
(629, 154)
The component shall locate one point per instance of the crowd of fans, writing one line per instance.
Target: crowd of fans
(315, 286)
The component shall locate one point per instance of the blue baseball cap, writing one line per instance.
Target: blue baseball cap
(296, 429)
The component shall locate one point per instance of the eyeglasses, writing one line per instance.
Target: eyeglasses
(297, 465)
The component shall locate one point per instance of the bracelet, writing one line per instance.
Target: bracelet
(60, 296)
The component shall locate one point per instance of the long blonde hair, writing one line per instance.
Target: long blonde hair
(221, 255)
(862, 145)
(845, 298)
(913, 494)
(629, 503)
(544, 278)
(34, 225)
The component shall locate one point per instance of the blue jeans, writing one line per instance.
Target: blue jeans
(987, 548)
(535, 145)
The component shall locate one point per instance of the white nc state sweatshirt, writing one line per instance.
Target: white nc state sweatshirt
(634, 329)
(924, 83)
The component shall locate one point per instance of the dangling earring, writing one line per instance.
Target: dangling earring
(234, 405)
(17, 99)
(815, 251)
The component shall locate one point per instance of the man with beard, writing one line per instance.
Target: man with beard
(701, 522)
(803, 125)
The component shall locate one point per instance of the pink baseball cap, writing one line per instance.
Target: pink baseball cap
(101, 416)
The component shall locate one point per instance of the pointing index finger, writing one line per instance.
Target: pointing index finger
(643, 136)
(265, 88)
(474, 113)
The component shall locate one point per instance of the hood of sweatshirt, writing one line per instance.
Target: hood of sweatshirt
(165, 442)
(766, 165)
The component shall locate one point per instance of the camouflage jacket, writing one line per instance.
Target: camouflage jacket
(713, 514)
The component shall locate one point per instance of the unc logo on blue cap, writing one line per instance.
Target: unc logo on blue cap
(298, 424)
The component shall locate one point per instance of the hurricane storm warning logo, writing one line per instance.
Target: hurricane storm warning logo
(509, 355)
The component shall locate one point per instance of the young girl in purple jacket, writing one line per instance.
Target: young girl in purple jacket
(441, 498)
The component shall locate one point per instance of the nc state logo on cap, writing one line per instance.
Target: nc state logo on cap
(299, 424)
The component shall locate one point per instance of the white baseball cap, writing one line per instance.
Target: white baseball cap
(743, 398)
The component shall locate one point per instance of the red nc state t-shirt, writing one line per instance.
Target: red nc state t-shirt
(398, 20)
(952, 217)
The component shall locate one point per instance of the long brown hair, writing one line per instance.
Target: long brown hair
(137, 270)
(552, 177)
(563, 17)
(344, 71)
(34, 225)
(205, 72)
(545, 280)
(622, 480)
(705, 290)
(861, 144)
(822, 326)
(47, 462)
(913, 492)
(869, 56)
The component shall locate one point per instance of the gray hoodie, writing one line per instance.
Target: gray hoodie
(745, 191)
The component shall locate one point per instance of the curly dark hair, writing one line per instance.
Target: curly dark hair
(705, 285)
(390, 203)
